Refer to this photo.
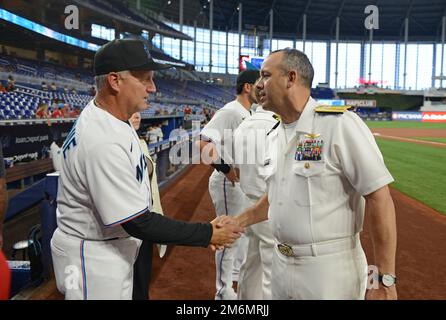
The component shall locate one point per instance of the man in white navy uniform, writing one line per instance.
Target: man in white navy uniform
(104, 200)
(224, 188)
(249, 140)
(323, 171)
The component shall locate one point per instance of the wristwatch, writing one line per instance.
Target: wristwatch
(387, 279)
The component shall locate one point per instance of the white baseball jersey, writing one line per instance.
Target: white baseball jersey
(103, 178)
(227, 199)
(222, 126)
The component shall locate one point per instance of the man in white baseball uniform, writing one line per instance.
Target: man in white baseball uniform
(224, 188)
(104, 200)
(323, 171)
(249, 140)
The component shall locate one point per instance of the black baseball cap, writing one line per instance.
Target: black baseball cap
(125, 54)
(248, 76)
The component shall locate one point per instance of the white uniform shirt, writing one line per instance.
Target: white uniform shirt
(102, 182)
(152, 136)
(56, 156)
(159, 134)
(315, 201)
(221, 128)
(249, 141)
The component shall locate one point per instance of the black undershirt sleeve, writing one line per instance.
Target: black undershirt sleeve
(160, 229)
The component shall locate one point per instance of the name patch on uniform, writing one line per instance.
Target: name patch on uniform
(309, 148)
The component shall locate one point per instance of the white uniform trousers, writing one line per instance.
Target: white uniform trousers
(255, 274)
(228, 200)
(340, 275)
(94, 270)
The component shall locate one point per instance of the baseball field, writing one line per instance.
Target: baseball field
(415, 154)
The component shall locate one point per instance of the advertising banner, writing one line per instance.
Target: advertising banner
(361, 103)
(23, 143)
(434, 116)
(407, 116)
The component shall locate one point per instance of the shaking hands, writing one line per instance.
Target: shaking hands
(226, 230)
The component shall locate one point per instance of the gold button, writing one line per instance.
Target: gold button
(307, 165)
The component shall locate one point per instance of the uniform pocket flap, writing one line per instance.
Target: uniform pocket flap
(309, 168)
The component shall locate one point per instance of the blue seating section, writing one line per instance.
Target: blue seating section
(23, 103)
(322, 93)
(216, 96)
(45, 70)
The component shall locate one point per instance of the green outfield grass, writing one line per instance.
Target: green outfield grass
(419, 171)
(406, 124)
(442, 140)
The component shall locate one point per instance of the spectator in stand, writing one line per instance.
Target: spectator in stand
(57, 112)
(187, 110)
(73, 91)
(44, 86)
(53, 87)
(2, 88)
(75, 112)
(54, 105)
(151, 135)
(159, 132)
(42, 111)
(66, 110)
(11, 84)
(65, 89)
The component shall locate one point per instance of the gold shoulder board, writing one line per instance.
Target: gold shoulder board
(331, 109)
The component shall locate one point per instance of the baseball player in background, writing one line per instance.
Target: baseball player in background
(104, 199)
(227, 197)
(249, 140)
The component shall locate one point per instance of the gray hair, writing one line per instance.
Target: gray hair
(101, 80)
(297, 60)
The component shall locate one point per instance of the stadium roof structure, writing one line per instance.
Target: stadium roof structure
(21, 25)
(425, 17)
(143, 22)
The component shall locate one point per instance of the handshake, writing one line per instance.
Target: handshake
(226, 230)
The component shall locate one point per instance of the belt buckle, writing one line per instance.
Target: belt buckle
(285, 249)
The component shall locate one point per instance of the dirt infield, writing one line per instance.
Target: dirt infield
(406, 134)
(411, 132)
